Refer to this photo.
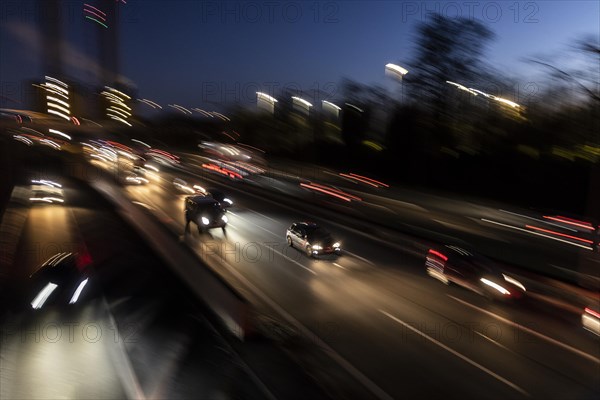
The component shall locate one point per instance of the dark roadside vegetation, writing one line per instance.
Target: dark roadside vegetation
(542, 154)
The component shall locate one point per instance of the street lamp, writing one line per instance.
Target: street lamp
(300, 103)
(265, 102)
(396, 72)
(335, 110)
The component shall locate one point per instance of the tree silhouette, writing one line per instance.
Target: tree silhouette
(447, 50)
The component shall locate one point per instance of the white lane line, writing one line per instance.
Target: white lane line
(290, 259)
(531, 331)
(493, 341)
(122, 363)
(359, 257)
(339, 266)
(538, 234)
(539, 220)
(276, 235)
(341, 361)
(258, 226)
(469, 229)
(265, 216)
(457, 354)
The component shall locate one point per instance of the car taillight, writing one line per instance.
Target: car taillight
(438, 254)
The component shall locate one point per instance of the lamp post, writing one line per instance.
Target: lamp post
(265, 102)
(396, 72)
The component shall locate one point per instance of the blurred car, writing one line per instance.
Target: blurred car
(45, 191)
(219, 196)
(162, 157)
(183, 186)
(312, 239)
(216, 194)
(590, 319)
(452, 264)
(60, 281)
(205, 212)
(137, 176)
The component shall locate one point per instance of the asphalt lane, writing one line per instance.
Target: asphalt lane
(55, 353)
(376, 308)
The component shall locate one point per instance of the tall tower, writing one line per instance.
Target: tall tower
(108, 43)
(49, 17)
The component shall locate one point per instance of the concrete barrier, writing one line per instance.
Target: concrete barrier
(229, 306)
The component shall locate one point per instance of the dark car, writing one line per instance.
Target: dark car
(312, 239)
(205, 212)
(220, 197)
(61, 281)
(590, 319)
(452, 264)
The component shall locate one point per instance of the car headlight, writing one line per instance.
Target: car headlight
(205, 221)
(317, 247)
(226, 200)
(78, 291)
(515, 282)
(336, 244)
(42, 296)
(495, 286)
(224, 218)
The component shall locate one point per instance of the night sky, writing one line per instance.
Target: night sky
(200, 53)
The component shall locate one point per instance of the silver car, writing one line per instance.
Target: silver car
(312, 239)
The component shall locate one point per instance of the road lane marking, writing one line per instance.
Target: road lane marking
(258, 226)
(538, 234)
(493, 341)
(265, 216)
(457, 354)
(539, 220)
(122, 362)
(295, 210)
(328, 350)
(359, 257)
(339, 266)
(276, 235)
(120, 357)
(531, 331)
(290, 259)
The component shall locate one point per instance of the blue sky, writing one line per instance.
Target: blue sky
(194, 53)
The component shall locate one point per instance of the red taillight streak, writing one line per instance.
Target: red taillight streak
(570, 221)
(592, 312)
(84, 258)
(358, 179)
(221, 170)
(560, 234)
(164, 153)
(338, 191)
(228, 135)
(370, 179)
(341, 192)
(437, 253)
(120, 146)
(325, 191)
